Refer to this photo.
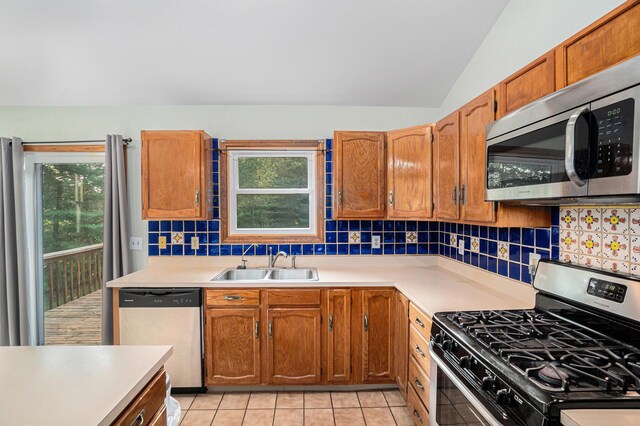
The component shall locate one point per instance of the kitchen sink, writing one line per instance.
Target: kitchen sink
(299, 274)
(302, 274)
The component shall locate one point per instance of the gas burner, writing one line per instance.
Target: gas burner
(553, 375)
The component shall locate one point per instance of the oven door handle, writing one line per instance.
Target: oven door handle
(570, 147)
(435, 359)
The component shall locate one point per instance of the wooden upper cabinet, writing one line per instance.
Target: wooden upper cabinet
(447, 164)
(293, 346)
(377, 323)
(409, 173)
(176, 174)
(338, 332)
(474, 118)
(359, 174)
(401, 342)
(232, 346)
(528, 84)
(610, 40)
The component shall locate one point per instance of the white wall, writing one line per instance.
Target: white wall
(525, 30)
(229, 122)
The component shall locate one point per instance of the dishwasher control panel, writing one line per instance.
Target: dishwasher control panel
(160, 298)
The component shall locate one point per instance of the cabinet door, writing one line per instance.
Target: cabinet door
(338, 338)
(293, 348)
(448, 166)
(401, 341)
(608, 41)
(232, 346)
(474, 118)
(528, 84)
(377, 323)
(409, 173)
(359, 174)
(174, 166)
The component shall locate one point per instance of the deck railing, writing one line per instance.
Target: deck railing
(71, 274)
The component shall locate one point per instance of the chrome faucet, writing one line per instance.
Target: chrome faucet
(273, 259)
(243, 260)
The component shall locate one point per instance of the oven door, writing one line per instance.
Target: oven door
(451, 402)
(545, 160)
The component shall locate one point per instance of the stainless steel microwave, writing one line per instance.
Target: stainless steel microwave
(578, 145)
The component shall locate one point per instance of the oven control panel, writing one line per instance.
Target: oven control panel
(607, 290)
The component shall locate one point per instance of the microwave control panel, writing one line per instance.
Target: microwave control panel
(614, 124)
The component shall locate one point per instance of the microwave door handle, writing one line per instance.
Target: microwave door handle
(570, 147)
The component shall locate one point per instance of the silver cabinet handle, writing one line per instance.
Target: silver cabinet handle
(419, 384)
(232, 297)
(330, 322)
(570, 147)
(139, 420)
(417, 414)
(256, 329)
(366, 322)
(420, 351)
(419, 322)
(197, 198)
(462, 194)
(270, 329)
(340, 198)
(455, 195)
(391, 198)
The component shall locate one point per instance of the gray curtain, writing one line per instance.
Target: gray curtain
(116, 262)
(18, 326)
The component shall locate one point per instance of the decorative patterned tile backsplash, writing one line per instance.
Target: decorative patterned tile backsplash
(606, 237)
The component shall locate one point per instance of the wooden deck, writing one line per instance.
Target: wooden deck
(75, 323)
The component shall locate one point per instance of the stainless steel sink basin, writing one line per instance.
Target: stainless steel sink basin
(241, 275)
(301, 274)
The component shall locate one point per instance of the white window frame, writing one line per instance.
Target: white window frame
(235, 190)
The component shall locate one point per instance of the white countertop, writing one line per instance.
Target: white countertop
(73, 385)
(432, 283)
(612, 417)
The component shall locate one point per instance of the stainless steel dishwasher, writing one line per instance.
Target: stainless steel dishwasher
(167, 316)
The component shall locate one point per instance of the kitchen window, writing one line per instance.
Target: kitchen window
(272, 191)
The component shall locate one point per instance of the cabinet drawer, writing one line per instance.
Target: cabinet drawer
(233, 297)
(148, 402)
(420, 321)
(160, 419)
(417, 409)
(419, 348)
(293, 297)
(419, 380)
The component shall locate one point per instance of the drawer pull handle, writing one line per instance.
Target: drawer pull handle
(419, 322)
(417, 414)
(419, 384)
(257, 329)
(139, 420)
(420, 351)
(233, 297)
(330, 322)
(366, 322)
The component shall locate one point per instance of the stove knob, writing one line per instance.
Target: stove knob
(447, 344)
(464, 361)
(488, 383)
(503, 397)
(438, 338)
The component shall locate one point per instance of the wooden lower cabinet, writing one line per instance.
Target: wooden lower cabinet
(338, 336)
(377, 335)
(419, 365)
(401, 342)
(417, 409)
(232, 346)
(293, 346)
(148, 405)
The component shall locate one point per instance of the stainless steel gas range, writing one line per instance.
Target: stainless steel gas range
(579, 348)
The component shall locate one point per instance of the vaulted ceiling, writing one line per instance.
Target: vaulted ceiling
(241, 52)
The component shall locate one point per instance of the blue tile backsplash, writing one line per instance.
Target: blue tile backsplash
(504, 251)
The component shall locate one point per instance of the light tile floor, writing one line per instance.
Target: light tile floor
(370, 408)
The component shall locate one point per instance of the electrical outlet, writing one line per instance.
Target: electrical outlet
(135, 243)
(162, 242)
(375, 241)
(195, 243)
(534, 258)
(461, 247)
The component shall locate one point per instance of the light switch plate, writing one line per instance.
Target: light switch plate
(195, 243)
(135, 243)
(162, 242)
(461, 247)
(375, 241)
(534, 258)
